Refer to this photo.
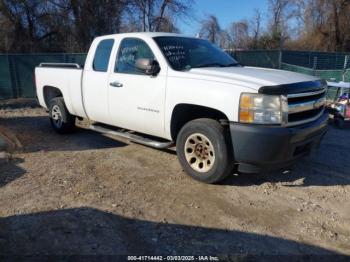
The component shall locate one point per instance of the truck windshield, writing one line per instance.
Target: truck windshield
(183, 53)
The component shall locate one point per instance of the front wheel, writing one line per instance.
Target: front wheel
(61, 120)
(339, 122)
(205, 150)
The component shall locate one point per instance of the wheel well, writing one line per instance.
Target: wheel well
(51, 92)
(184, 113)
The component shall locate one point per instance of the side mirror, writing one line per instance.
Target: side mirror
(148, 66)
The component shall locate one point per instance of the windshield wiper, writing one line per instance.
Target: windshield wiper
(232, 64)
(216, 65)
(209, 65)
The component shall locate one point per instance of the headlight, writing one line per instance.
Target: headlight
(260, 109)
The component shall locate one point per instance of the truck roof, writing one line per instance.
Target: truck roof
(143, 35)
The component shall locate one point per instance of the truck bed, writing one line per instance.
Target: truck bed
(66, 77)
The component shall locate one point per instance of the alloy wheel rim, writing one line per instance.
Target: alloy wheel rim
(199, 153)
(56, 116)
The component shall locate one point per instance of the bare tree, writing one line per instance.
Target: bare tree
(339, 23)
(144, 9)
(5, 31)
(239, 34)
(29, 25)
(175, 8)
(278, 21)
(225, 40)
(283, 22)
(325, 25)
(255, 28)
(210, 29)
(94, 18)
(157, 15)
(71, 25)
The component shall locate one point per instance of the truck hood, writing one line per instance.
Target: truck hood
(251, 77)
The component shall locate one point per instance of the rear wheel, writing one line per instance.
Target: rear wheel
(339, 122)
(204, 150)
(61, 120)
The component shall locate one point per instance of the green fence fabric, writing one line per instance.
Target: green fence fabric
(328, 66)
(17, 72)
(274, 59)
(258, 58)
(316, 60)
(5, 78)
(334, 75)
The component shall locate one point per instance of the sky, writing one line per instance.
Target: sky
(227, 11)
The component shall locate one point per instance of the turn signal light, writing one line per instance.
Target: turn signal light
(260, 109)
(246, 116)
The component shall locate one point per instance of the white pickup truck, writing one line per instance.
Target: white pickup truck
(164, 89)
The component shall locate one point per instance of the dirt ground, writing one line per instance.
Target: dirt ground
(89, 194)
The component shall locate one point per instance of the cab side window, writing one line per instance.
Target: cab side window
(102, 55)
(130, 50)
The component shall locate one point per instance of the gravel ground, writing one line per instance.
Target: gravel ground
(89, 194)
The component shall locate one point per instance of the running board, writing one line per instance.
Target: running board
(132, 137)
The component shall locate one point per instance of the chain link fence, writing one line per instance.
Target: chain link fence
(258, 58)
(17, 70)
(326, 65)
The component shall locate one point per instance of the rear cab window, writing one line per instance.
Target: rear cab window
(102, 55)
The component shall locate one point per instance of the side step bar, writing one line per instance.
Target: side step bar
(132, 137)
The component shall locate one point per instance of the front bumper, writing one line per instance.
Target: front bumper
(263, 148)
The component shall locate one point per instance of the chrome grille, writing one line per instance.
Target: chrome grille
(304, 107)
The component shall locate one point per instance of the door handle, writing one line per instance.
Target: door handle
(116, 84)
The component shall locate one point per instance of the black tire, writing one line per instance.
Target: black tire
(61, 120)
(219, 142)
(339, 123)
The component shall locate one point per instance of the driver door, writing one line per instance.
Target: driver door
(136, 100)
